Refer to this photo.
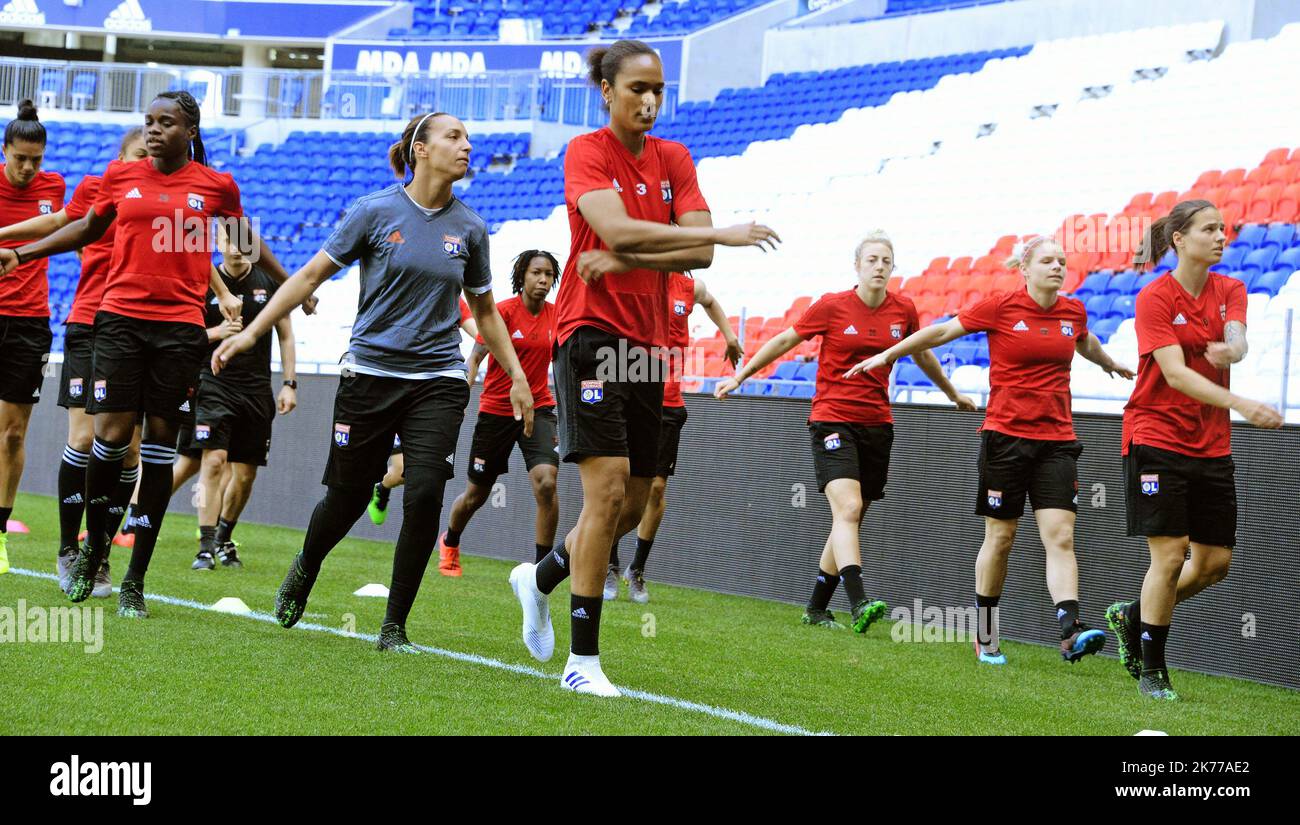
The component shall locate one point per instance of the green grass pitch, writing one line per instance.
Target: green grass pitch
(755, 667)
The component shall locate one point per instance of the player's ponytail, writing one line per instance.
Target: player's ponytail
(401, 155)
(1159, 237)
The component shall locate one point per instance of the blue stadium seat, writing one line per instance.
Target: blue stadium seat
(1280, 236)
(1251, 236)
(1271, 282)
(1261, 260)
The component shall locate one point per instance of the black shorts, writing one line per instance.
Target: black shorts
(78, 357)
(185, 442)
(146, 366)
(236, 421)
(600, 417)
(1011, 468)
(670, 438)
(496, 435)
(24, 352)
(370, 409)
(856, 451)
(1171, 494)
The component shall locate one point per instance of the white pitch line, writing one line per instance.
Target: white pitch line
(473, 658)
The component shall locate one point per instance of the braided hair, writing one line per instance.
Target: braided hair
(190, 108)
(522, 260)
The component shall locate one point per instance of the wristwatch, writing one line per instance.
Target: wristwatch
(293, 385)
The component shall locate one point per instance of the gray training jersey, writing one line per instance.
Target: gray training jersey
(414, 263)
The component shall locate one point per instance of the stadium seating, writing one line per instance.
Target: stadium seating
(961, 159)
(473, 19)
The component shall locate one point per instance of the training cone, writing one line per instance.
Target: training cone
(15, 526)
(230, 604)
(372, 589)
(1150, 733)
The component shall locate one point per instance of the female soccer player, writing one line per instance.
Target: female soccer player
(625, 190)
(235, 410)
(1180, 483)
(419, 247)
(78, 348)
(25, 338)
(149, 335)
(531, 321)
(684, 292)
(851, 425)
(378, 507)
(1027, 444)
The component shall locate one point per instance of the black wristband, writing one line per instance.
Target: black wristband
(293, 385)
(19, 256)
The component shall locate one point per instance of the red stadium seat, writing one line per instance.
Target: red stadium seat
(936, 266)
(801, 303)
(1210, 178)
(1277, 155)
(953, 303)
(912, 286)
(1288, 205)
(1232, 177)
(1259, 175)
(1073, 278)
(934, 284)
(1004, 247)
(1261, 206)
(958, 285)
(959, 266)
(987, 264)
(1285, 174)
(895, 284)
(1238, 197)
(1232, 214)
(1164, 202)
(1142, 200)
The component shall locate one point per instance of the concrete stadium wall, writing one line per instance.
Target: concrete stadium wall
(1003, 25)
(745, 517)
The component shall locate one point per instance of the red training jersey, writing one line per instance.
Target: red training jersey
(1030, 353)
(681, 300)
(1157, 415)
(95, 258)
(658, 186)
(533, 337)
(25, 292)
(465, 312)
(162, 256)
(851, 332)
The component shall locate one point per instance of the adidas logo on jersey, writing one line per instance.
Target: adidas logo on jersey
(134, 193)
(850, 330)
(22, 13)
(184, 407)
(517, 334)
(1180, 320)
(1020, 326)
(581, 613)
